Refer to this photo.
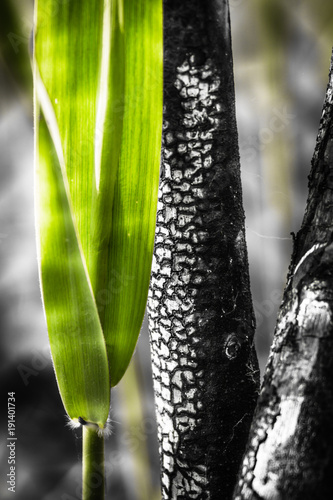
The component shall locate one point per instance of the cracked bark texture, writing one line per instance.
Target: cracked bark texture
(290, 450)
(200, 311)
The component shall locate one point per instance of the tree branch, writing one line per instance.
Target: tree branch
(200, 310)
(290, 449)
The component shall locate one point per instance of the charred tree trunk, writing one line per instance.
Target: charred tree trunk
(200, 310)
(290, 450)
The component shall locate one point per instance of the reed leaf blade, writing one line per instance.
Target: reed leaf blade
(98, 84)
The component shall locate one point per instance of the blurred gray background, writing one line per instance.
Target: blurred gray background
(281, 59)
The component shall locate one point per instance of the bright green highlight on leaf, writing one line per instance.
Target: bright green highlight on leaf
(98, 118)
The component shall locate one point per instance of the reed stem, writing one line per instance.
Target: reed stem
(92, 465)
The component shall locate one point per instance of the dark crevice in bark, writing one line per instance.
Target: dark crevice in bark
(290, 449)
(200, 310)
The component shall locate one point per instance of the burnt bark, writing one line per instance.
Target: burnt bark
(290, 450)
(200, 311)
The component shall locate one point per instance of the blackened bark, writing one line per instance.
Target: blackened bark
(290, 450)
(200, 310)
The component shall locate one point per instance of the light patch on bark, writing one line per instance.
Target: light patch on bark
(278, 437)
(179, 227)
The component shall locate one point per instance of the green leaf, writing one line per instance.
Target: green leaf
(135, 193)
(98, 80)
(76, 336)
